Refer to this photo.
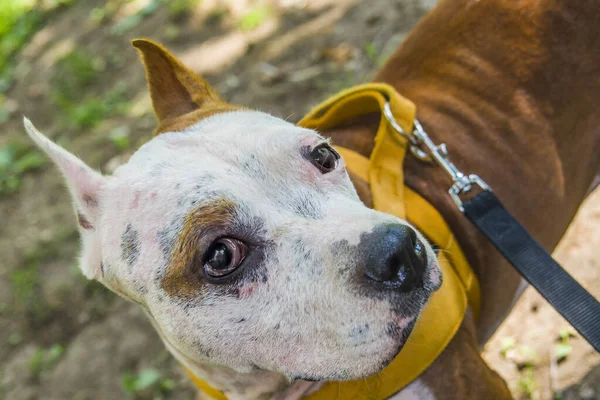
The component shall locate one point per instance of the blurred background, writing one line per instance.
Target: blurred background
(69, 67)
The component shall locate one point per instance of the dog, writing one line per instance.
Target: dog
(256, 255)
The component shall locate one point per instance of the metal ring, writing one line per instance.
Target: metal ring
(387, 111)
(413, 140)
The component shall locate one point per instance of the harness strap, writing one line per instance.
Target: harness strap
(534, 263)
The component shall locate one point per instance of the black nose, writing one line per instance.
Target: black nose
(396, 258)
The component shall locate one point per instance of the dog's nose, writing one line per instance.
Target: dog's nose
(396, 258)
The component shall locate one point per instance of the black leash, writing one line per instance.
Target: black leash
(528, 257)
(525, 254)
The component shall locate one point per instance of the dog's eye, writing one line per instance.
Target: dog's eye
(324, 158)
(224, 256)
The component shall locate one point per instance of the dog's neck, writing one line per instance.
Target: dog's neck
(255, 385)
(258, 385)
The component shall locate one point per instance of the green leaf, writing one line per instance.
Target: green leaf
(558, 396)
(371, 51)
(4, 115)
(562, 350)
(527, 383)
(529, 355)
(29, 162)
(36, 363)
(527, 351)
(55, 353)
(166, 385)
(565, 334)
(9, 184)
(180, 7)
(7, 154)
(147, 378)
(254, 18)
(507, 344)
(128, 382)
(14, 339)
(120, 137)
(97, 14)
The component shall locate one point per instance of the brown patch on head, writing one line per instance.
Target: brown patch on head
(180, 98)
(182, 278)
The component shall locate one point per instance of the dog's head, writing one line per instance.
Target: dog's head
(244, 240)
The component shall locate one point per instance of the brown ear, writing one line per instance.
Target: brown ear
(180, 98)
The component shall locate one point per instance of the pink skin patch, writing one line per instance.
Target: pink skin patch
(136, 200)
(246, 290)
(435, 274)
(402, 322)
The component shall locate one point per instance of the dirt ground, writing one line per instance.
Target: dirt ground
(79, 80)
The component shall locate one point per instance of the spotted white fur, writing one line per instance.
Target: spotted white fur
(305, 319)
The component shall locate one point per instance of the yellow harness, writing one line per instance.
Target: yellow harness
(444, 312)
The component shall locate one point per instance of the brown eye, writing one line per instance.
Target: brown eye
(324, 158)
(224, 256)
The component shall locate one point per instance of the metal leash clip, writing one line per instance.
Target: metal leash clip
(461, 183)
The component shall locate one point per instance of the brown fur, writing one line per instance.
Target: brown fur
(180, 98)
(460, 373)
(512, 88)
(514, 100)
(182, 276)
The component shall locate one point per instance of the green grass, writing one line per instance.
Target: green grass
(25, 280)
(4, 115)
(15, 30)
(371, 52)
(74, 70)
(120, 138)
(95, 109)
(45, 359)
(507, 344)
(14, 339)
(75, 73)
(178, 8)
(529, 359)
(19, 20)
(254, 18)
(527, 383)
(374, 55)
(16, 160)
(563, 349)
(147, 380)
(17, 23)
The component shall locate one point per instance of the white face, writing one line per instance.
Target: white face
(245, 254)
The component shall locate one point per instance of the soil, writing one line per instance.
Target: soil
(63, 337)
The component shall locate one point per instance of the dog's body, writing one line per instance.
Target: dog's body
(510, 86)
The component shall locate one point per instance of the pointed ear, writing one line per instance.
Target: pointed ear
(86, 186)
(180, 98)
